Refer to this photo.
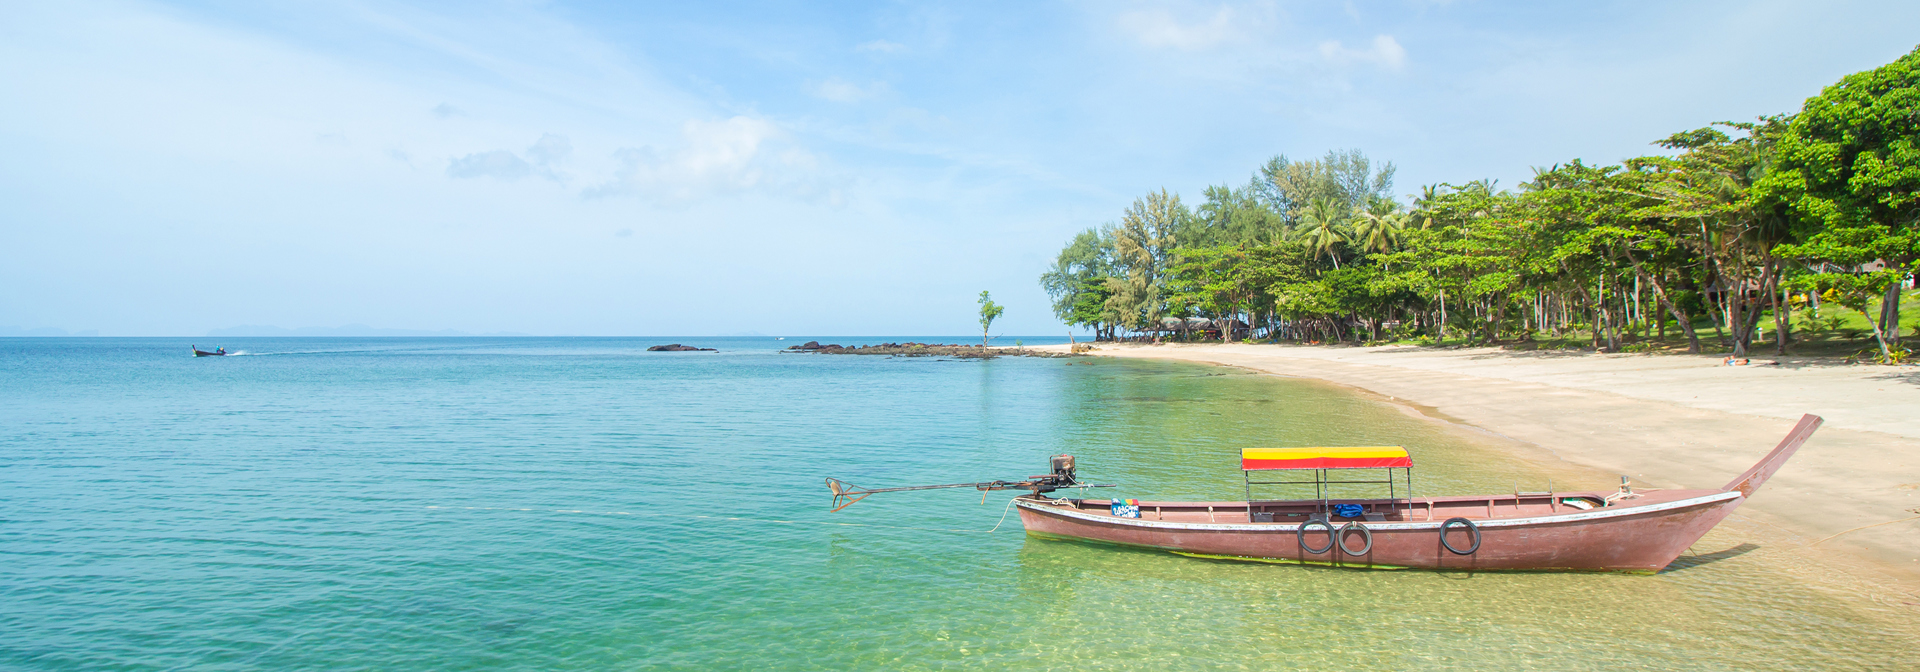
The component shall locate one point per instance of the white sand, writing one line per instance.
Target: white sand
(1665, 420)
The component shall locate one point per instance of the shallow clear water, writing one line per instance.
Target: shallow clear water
(582, 504)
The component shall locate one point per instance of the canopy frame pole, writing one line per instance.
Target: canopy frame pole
(1246, 480)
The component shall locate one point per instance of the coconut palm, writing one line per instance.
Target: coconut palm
(1324, 229)
(1377, 227)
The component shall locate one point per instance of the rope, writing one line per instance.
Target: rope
(1862, 527)
(996, 525)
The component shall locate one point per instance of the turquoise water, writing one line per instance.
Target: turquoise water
(582, 504)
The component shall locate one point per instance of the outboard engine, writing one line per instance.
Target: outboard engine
(1063, 468)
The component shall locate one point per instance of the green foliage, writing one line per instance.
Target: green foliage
(1143, 246)
(1232, 217)
(1078, 281)
(1851, 158)
(1347, 179)
(1323, 228)
(1848, 169)
(1377, 228)
(1733, 221)
(989, 311)
(1845, 252)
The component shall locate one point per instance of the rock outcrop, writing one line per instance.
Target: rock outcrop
(923, 350)
(679, 348)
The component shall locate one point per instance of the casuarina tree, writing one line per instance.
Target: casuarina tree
(989, 311)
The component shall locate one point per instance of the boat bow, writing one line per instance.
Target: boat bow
(1747, 483)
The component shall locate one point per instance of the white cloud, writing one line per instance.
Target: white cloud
(842, 91)
(1385, 52)
(498, 164)
(1159, 28)
(550, 149)
(882, 46)
(733, 155)
(542, 158)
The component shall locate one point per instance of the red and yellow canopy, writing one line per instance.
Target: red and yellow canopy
(1253, 459)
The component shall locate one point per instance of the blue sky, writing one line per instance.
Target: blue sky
(781, 168)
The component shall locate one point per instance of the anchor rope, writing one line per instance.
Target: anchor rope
(742, 519)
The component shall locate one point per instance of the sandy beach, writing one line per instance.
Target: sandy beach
(1666, 421)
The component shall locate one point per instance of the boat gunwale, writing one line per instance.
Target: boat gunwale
(1714, 497)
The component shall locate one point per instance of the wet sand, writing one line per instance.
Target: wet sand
(1666, 421)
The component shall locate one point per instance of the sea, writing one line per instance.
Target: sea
(584, 504)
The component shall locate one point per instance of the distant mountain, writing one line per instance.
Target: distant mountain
(348, 331)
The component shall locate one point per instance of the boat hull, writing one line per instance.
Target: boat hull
(1642, 537)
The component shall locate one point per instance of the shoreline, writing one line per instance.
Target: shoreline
(1627, 414)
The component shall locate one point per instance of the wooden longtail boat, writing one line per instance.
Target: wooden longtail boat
(218, 352)
(1625, 531)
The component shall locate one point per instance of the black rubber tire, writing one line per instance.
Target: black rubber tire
(1300, 533)
(1471, 529)
(1365, 533)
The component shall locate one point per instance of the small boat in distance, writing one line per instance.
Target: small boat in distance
(1625, 531)
(217, 352)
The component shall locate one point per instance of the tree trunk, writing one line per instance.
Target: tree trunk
(1714, 312)
(1748, 315)
(1737, 322)
(1613, 330)
(1782, 321)
(1493, 322)
(1660, 296)
(1880, 332)
(1890, 312)
(1593, 306)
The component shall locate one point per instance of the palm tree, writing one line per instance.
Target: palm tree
(1323, 229)
(1377, 227)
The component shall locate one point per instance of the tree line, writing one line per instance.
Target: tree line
(1737, 222)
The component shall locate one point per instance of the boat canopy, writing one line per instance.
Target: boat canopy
(1259, 459)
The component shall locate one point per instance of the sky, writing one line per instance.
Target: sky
(641, 169)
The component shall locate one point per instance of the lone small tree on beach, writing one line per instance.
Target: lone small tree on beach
(989, 311)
